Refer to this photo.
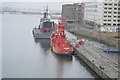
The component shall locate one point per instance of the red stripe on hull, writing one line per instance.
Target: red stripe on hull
(46, 29)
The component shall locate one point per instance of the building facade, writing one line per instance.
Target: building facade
(93, 12)
(106, 14)
(73, 13)
(68, 13)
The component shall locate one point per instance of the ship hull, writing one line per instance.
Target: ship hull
(39, 34)
(61, 51)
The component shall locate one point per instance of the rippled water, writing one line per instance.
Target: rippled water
(24, 57)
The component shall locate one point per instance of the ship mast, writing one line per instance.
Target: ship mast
(46, 12)
(47, 9)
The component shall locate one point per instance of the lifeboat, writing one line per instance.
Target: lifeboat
(59, 44)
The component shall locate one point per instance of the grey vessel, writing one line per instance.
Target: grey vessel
(46, 27)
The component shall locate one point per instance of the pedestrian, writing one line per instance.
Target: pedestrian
(93, 60)
(81, 42)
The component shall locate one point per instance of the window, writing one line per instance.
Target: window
(109, 16)
(105, 8)
(114, 24)
(118, 8)
(115, 4)
(105, 3)
(104, 20)
(104, 24)
(118, 20)
(118, 24)
(115, 12)
(115, 8)
(114, 20)
(118, 16)
(109, 24)
(110, 12)
(105, 16)
(110, 4)
(105, 11)
(110, 8)
(109, 20)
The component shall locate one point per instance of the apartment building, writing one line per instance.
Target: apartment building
(106, 14)
(68, 13)
(73, 13)
(111, 13)
(93, 12)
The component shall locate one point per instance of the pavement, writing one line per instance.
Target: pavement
(105, 62)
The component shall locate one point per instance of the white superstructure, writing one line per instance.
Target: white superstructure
(105, 13)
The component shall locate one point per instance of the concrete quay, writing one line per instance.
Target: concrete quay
(100, 62)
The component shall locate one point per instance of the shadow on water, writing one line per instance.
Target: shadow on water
(62, 58)
(58, 61)
(44, 43)
(61, 61)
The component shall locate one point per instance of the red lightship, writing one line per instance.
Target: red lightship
(59, 44)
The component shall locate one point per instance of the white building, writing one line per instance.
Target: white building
(93, 12)
(106, 14)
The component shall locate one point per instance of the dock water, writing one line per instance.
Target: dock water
(100, 62)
